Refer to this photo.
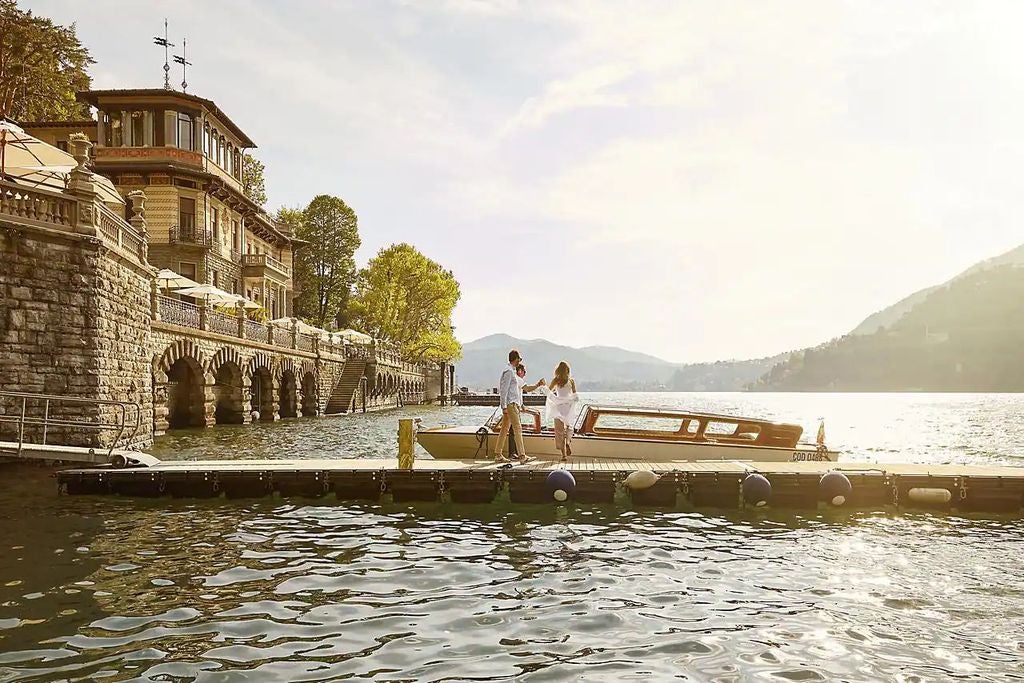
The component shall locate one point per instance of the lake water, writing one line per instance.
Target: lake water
(269, 590)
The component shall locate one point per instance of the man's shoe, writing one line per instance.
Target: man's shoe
(500, 457)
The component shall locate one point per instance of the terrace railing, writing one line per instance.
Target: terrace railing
(120, 232)
(179, 312)
(37, 206)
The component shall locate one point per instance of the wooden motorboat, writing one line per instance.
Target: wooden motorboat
(614, 433)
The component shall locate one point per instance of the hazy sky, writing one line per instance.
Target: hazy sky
(697, 180)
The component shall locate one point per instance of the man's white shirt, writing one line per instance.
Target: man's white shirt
(509, 388)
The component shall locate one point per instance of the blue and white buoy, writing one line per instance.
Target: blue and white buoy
(561, 484)
(835, 487)
(756, 489)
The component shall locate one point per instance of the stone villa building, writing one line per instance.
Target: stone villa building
(82, 316)
(187, 156)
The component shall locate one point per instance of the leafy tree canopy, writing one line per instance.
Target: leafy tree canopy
(252, 179)
(405, 298)
(325, 268)
(42, 66)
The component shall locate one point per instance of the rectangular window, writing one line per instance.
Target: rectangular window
(216, 279)
(188, 270)
(187, 215)
(62, 145)
(214, 222)
(236, 236)
(185, 131)
(138, 128)
(234, 286)
(116, 132)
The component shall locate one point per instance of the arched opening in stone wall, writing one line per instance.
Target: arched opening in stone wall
(287, 406)
(185, 395)
(309, 397)
(263, 394)
(228, 391)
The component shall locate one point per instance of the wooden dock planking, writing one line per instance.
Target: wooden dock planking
(701, 483)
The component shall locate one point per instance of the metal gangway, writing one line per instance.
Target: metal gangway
(36, 417)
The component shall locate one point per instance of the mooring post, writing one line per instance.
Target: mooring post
(406, 443)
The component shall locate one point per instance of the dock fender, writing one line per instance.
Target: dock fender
(561, 483)
(835, 487)
(640, 480)
(121, 460)
(757, 490)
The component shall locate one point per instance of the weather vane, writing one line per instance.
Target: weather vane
(180, 59)
(165, 44)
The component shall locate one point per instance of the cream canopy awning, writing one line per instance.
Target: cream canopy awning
(31, 162)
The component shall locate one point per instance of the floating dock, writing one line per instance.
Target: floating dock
(492, 399)
(721, 484)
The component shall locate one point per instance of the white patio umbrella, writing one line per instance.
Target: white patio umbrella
(29, 161)
(356, 336)
(168, 279)
(247, 304)
(304, 328)
(209, 294)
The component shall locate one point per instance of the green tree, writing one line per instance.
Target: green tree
(42, 66)
(405, 298)
(324, 268)
(252, 179)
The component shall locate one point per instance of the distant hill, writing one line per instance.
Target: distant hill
(965, 335)
(602, 368)
(890, 315)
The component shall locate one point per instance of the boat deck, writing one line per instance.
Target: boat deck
(9, 449)
(708, 483)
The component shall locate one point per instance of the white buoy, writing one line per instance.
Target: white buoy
(561, 496)
(930, 496)
(641, 479)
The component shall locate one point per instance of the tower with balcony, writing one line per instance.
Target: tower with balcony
(187, 155)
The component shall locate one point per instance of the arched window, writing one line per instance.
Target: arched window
(206, 139)
(238, 164)
(229, 158)
(220, 151)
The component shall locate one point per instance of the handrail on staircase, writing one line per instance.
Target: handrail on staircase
(126, 416)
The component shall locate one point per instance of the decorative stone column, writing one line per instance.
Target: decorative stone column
(295, 333)
(154, 299)
(240, 312)
(81, 184)
(137, 199)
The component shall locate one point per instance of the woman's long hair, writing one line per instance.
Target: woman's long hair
(561, 375)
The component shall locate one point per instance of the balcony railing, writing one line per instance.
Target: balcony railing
(265, 260)
(190, 234)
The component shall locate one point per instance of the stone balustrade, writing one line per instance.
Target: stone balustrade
(42, 207)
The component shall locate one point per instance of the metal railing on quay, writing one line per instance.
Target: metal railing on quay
(179, 312)
(126, 416)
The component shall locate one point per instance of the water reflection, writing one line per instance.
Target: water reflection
(120, 589)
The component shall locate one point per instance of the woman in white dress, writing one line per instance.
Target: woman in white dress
(559, 407)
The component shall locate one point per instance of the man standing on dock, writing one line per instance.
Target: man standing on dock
(510, 398)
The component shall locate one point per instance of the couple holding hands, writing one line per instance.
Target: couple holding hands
(561, 399)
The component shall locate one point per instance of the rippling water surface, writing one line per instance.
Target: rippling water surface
(270, 590)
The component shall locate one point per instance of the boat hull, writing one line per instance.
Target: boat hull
(467, 443)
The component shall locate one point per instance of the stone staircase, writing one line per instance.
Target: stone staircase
(344, 392)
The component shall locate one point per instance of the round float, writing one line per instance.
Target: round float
(756, 489)
(561, 484)
(835, 487)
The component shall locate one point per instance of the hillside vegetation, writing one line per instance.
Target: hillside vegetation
(963, 336)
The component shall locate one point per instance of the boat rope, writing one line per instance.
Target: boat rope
(481, 441)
